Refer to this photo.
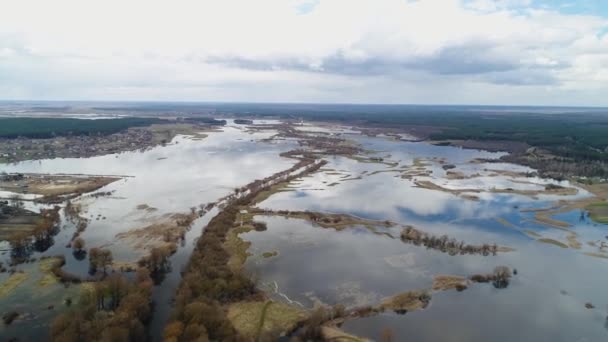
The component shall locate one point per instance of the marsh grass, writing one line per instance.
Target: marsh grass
(598, 212)
(12, 283)
(553, 242)
(46, 267)
(254, 319)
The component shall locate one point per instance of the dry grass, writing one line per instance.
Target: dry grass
(506, 223)
(596, 205)
(331, 221)
(411, 174)
(432, 186)
(455, 175)
(598, 212)
(57, 185)
(544, 217)
(253, 318)
(11, 284)
(46, 266)
(597, 255)
(237, 247)
(573, 242)
(264, 195)
(553, 242)
(532, 233)
(562, 191)
(407, 301)
(331, 333)
(166, 231)
(448, 282)
(25, 223)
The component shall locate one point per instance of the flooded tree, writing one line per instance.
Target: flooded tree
(445, 244)
(93, 255)
(387, 335)
(157, 262)
(79, 248)
(502, 276)
(21, 246)
(105, 259)
(117, 287)
(114, 310)
(99, 259)
(16, 201)
(78, 244)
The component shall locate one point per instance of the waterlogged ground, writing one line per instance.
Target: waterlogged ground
(166, 179)
(306, 264)
(440, 190)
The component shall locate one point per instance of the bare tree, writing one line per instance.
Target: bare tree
(16, 201)
(78, 244)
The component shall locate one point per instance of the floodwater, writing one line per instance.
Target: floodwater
(358, 265)
(172, 179)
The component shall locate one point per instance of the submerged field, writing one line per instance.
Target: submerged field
(382, 237)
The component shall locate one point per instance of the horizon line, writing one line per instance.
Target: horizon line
(305, 103)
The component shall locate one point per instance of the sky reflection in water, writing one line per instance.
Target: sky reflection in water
(545, 301)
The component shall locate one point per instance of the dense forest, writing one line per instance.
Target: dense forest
(571, 132)
(574, 135)
(578, 133)
(51, 127)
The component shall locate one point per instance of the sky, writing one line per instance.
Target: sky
(498, 52)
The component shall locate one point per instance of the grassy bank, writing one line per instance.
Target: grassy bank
(214, 281)
(598, 212)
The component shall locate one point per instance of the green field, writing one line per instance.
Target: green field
(598, 212)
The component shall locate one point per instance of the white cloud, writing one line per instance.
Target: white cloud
(431, 51)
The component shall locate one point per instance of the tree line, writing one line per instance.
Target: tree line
(208, 284)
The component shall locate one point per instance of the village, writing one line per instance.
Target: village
(14, 150)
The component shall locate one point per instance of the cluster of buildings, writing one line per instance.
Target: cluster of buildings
(12, 150)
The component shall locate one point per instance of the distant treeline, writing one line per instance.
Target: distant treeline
(580, 138)
(205, 121)
(52, 127)
(577, 133)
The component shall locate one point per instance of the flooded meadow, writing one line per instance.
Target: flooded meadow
(337, 236)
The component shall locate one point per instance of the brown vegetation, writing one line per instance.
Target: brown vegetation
(72, 213)
(209, 283)
(99, 259)
(547, 190)
(114, 310)
(63, 276)
(447, 282)
(14, 219)
(56, 188)
(446, 245)
(407, 301)
(326, 220)
(264, 321)
(164, 234)
(500, 278)
(40, 238)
